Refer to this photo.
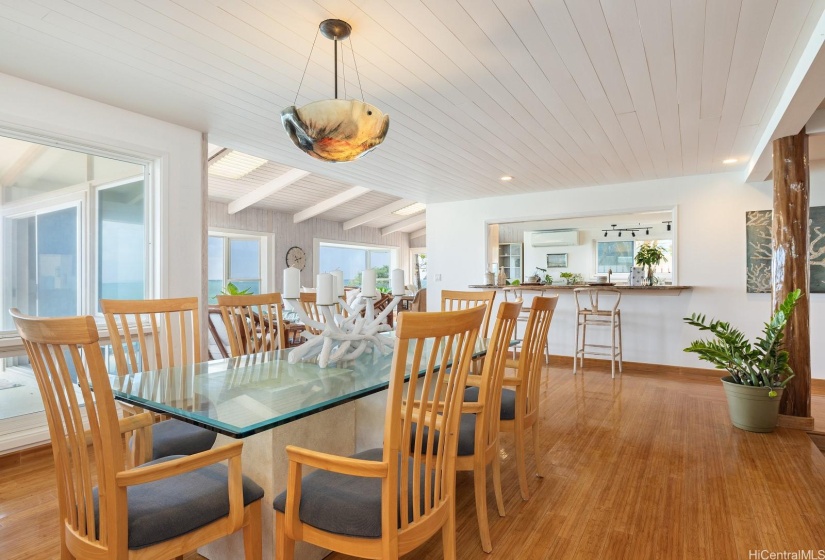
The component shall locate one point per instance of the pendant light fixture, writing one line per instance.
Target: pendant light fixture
(335, 129)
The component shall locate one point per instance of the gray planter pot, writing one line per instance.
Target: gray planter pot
(751, 408)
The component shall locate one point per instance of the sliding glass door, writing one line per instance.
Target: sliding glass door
(43, 257)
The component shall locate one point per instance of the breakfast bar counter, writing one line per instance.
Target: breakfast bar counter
(567, 288)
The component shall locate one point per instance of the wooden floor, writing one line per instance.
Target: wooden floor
(641, 467)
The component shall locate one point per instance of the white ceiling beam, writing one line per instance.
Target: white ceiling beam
(329, 204)
(26, 159)
(800, 99)
(816, 124)
(420, 233)
(267, 189)
(377, 213)
(410, 222)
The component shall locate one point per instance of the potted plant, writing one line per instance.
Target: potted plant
(650, 254)
(758, 372)
(232, 290)
(547, 278)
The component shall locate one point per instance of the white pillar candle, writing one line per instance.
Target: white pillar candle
(323, 287)
(397, 282)
(292, 283)
(368, 283)
(339, 282)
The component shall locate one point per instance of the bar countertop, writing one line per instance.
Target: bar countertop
(565, 287)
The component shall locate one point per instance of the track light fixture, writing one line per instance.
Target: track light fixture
(632, 230)
(668, 224)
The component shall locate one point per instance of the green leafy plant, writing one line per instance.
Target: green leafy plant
(650, 254)
(232, 290)
(515, 283)
(547, 278)
(571, 277)
(764, 364)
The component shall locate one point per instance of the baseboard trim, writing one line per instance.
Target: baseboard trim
(639, 367)
(16, 458)
(817, 385)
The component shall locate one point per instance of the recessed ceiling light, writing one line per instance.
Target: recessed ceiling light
(414, 208)
(729, 161)
(506, 178)
(235, 165)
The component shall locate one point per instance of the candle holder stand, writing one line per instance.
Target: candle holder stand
(344, 336)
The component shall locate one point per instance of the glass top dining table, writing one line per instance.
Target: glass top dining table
(242, 396)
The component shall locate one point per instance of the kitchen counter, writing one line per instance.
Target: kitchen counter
(564, 287)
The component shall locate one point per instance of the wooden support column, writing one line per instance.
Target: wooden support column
(791, 187)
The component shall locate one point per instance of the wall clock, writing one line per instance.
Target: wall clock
(296, 257)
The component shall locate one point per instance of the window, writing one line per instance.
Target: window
(121, 250)
(352, 260)
(619, 257)
(616, 256)
(73, 229)
(419, 270)
(236, 259)
(59, 207)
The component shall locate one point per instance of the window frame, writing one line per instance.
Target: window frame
(636, 243)
(317, 243)
(85, 194)
(263, 239)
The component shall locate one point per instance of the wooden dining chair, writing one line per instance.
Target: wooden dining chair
(478, 439)
(255, 323)
(382, 503)
(419, 302)
(520, 396)
(218, 341)
(309, 303)
(154, 334)
(452, 300)
(162, 509)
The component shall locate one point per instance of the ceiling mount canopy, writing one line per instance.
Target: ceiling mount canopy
(335, 129)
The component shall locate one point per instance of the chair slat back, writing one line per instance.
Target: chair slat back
(62, 350)
(453, 300)
(532, 350)
(255, 323)
(489, 394)
(441, 388)
(171, 339)
(309, 303)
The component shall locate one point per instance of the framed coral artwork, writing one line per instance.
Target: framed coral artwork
(759, 252)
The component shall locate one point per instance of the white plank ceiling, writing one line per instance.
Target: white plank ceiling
(556, 93)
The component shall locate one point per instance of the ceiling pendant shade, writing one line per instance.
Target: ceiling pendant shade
(335, 129)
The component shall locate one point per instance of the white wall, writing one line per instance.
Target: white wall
(710, 234)
(51, 113)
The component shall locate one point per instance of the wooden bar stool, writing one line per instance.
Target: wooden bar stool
(607, 314)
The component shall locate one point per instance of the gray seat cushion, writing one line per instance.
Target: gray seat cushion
(176, 437)
(466, 435)
(168, 508)
(508, 401)
(344, 504)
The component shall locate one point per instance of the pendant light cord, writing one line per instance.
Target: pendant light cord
(305, 67)
(344, 70)
(357, 74)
